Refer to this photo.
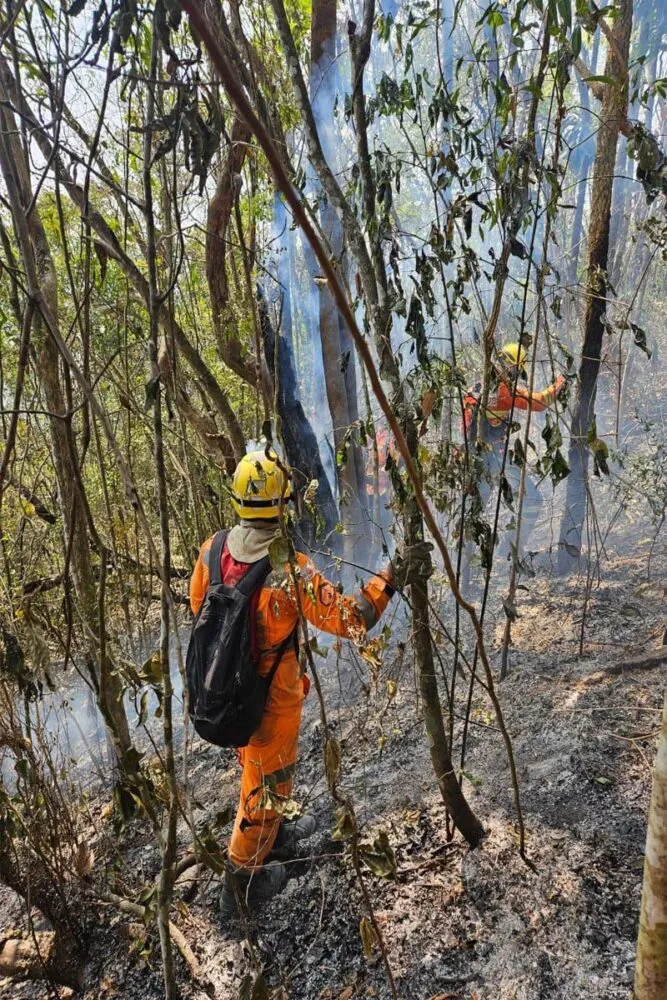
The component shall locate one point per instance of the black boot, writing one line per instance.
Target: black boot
(289, 835)
(250, 888)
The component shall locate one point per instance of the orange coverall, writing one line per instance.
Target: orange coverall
(269, 760)
(500, 405)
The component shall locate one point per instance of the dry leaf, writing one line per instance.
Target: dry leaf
(84, 859)
(428, 401)
(368, 936)
(331, 761)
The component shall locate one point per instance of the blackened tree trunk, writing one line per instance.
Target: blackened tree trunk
(612, 114)
(298, 436)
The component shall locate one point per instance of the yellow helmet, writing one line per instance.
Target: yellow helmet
(258, 486)
(513, 354)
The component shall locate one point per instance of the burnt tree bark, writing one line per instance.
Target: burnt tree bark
(613, 112)
(299, 439)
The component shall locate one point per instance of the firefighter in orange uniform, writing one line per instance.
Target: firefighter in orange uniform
(505, 397)
(268, 761)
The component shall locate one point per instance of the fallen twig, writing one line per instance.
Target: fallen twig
(177, 936)
(644, 661)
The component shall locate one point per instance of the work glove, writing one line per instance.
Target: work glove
(413, 558)
(560, 384)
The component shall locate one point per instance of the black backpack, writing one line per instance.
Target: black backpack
(226, 695)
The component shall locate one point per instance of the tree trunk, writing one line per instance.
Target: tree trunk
(165, 880)
(651, 969)
(612, 113)
(340, 385)
(219, 215)
(300, 442)
(462, 815)
(577, 235)
(33, 882)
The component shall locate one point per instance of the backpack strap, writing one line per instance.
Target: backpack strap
(214, 557)
(254, 578)
(290, 640)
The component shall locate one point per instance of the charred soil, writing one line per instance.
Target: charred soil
(473, 925)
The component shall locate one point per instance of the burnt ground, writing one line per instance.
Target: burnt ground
(473, 925)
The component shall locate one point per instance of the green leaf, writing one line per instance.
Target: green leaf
(280, 552)
(600, 451)
(559, 468)
(143, 709)
(517, 249)
(22, 768)
(518, 455)
(151, 669)
(576, 41)
(565, 12)
(76, 8)
(507, 494)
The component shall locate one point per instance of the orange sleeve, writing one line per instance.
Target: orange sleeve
(470, 402)
(328, 610)
(378, 592)
(535, 401)
(199, 579)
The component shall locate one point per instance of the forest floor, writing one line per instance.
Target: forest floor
(472, 925)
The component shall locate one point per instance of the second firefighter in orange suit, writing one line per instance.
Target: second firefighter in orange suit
(505, 397)
(268, 761)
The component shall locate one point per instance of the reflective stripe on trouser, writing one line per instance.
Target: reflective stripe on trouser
(268, 770)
